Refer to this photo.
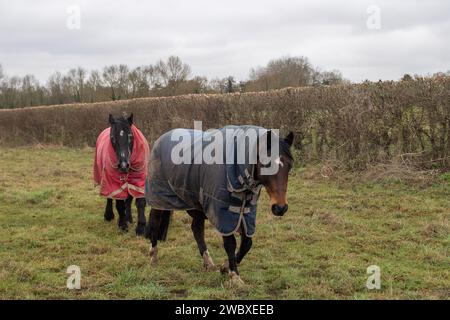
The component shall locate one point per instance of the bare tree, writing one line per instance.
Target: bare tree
(55, 88)
(218, 85)
(123, 81)
(80, 83)
(94, 85)
(231, 84)
(165, 78)
(281, 73)
(153, 76)
(111, 78)
(332, 77)
(31, 92)
(173, 72)
(138, 80)
(195, 85)
(76, 78)
(11, 92)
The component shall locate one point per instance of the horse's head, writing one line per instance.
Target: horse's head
(276, 184)
(122, 140)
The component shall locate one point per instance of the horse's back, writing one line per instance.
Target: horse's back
(167, 179)
(195, 185)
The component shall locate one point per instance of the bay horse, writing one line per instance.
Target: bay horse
(120, 168)
(226, 195)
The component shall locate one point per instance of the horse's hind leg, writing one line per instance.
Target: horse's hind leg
(109, 214)
(140, 205)
(128, 215)
(154, 232)
(120, 206)
(198, 229)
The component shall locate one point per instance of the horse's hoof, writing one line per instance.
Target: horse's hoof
(154, 256)
(209, 267)
(208, 263)
(123, 228)
(235, 280)
(225, 268)
(140, 229)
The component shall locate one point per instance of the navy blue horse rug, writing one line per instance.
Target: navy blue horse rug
(224, 190)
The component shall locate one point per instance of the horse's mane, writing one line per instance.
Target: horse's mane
(286, 149)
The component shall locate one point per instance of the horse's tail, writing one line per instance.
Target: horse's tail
(159, 223)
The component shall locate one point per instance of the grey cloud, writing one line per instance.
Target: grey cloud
(228, 37)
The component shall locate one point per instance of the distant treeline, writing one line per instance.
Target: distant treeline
(164, 78)
(355, 125)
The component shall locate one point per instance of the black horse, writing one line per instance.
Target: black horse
(122, 139)
(275, 184)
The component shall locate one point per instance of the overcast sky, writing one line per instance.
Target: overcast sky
(221, 38)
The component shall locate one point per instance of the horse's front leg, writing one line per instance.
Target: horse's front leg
(140, 205)
(120, 206)
(128, 215)
(229, 243)
(244, 248)
(109, 214)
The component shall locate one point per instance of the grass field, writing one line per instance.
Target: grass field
(51, 217)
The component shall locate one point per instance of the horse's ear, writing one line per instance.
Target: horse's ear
(130, 119)
(289, 138)
(111, 119)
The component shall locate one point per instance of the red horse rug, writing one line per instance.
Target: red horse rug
(113, 183)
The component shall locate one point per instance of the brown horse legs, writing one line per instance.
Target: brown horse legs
(152, 231)
(230, 265)
(198, 230)
(229, 243)
(156, 229)
(244, 248)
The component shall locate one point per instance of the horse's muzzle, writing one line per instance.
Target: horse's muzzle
(279, 210)
(124, 166)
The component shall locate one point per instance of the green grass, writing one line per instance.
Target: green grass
(51, 217)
